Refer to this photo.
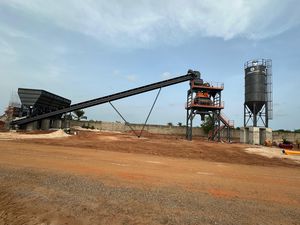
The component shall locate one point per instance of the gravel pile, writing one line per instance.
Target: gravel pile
(29, 197)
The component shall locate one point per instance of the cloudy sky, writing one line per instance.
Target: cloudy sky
(86, 49)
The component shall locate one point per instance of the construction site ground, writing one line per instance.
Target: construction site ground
(117, 178)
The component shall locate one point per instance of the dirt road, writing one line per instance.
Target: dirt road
(83, 180)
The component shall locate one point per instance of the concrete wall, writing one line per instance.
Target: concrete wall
(176, 130)
(278, 136)
(156, 129)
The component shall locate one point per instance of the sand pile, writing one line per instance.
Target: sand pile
(94, 130)
(15, 135)
(84, 129)
(271, 153)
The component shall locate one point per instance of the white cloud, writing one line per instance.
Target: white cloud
(12, 32)
(116, 73)
(6, 49)
(166, 75)
(60, 50)
(131, 78)
(138, 23)
(7, 52)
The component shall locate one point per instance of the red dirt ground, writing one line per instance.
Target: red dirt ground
(166, 145)
(109, 178)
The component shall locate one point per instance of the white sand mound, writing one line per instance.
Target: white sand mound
(15, 136)
(271, 153)
(84, 129)
(94, 130)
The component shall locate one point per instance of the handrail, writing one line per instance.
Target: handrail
(208, 85)
(228, 122)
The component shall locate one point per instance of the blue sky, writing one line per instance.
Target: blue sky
(87, 49)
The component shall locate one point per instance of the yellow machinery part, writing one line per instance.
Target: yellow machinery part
(290, 152)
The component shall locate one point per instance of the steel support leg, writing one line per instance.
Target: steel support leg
(149, 113)
(128, 124)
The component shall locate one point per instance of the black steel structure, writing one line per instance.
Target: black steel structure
(36, 102)
(204, 99)
(191, 75)
(258, 106)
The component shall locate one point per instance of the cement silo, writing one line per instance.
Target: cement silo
(258, 93)
(258, 107)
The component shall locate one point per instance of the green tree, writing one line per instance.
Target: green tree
(208, 124)
(67, 117)
(79, 114)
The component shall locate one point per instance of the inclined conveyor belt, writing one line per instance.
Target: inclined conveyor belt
(82, 105)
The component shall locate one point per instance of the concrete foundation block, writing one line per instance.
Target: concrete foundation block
(57, 124)
(254, 136)
(265, 134)
(244, 135)
(269, 134)
(45, 125)
(32, 126)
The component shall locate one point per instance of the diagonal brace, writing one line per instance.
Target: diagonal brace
(123, 119)
(149, 113)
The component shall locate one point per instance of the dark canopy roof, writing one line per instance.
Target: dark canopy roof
(38, 98)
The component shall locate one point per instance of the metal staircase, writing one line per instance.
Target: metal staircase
(226, 124)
